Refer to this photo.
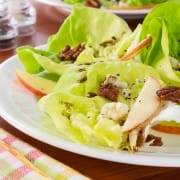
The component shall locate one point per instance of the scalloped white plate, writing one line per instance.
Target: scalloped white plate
(19, 107)
(125, 13)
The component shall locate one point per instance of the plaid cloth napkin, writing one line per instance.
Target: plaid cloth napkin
(19, 160)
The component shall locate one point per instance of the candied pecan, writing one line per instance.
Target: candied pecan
(93, 3)
(155, 141)
(140, 138)
(109, 91)
(169, 94)
(91, 94)
(113, 79)
(71, 54)
(149, 138)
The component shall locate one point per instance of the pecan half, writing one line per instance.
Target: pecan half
(109, 91)
(93, 3)
(155, 140)
(71, 54)
(110, 88)
(149, 138)
(169, 94)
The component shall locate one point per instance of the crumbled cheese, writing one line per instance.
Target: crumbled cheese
(113, 79)
(115, 111)
(139, 81)
(175, 63)
(126, 93)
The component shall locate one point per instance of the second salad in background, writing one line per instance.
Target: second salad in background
(118, 4)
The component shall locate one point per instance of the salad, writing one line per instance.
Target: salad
(117, 4)
(101, 83)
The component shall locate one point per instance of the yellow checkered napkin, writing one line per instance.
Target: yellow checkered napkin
(19, 160)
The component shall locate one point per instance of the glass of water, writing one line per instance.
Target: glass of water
(8, 30)
(25, 15)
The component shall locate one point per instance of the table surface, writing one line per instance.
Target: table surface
(48, 21)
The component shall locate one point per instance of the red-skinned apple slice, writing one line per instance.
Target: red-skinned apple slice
(37, 85)
(146, 105)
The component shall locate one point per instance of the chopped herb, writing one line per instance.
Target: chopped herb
(81, 70)
(91, 94)
(83, 79)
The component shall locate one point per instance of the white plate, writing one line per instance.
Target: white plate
(18, 107)
(125, 13)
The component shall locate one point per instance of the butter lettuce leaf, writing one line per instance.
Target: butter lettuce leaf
(169, 13)
(26, 57)
(58, 112)
(82, 80)
(74, 116)
(93, 28)
(163, 24)
(109, 133)
(129, 72)
(51, 66)
(71, 81)
(142, 2)
(130, 41)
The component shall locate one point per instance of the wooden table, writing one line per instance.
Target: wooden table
(48, 22)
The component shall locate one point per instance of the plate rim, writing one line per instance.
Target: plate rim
(85, 150)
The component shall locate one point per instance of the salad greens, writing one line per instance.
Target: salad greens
(163, 26)
(76, 102)
(136, 71)
(142, 2)
(26, 56)
(64, 108)
(94, 28)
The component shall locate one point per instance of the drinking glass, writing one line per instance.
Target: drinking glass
(25, 15)
(8, 30)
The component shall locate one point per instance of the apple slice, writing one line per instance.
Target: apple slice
(37, 85)
(146, 105)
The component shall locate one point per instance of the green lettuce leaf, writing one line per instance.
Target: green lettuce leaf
(51, 66)
(26, 56)
(86, 56)
(73, 1)
(73, 116)
(168, 13)
(129, 72)
(51, 105)
(71, 81)
(162, 24)
(50, 76)
(109, 133)
(83, 124)
(142, 2)
(129, 41)
(76, 118)
(94, 28)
